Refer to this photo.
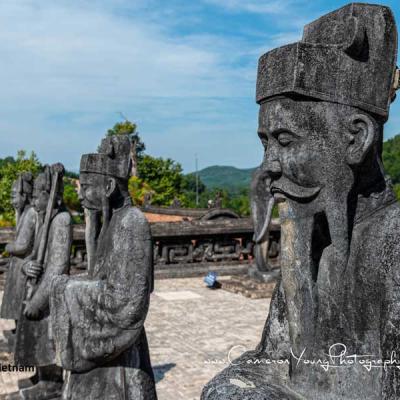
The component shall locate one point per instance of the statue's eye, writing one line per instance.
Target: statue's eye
(285, 139)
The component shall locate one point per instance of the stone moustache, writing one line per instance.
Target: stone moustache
(323, 104)
(98, 318)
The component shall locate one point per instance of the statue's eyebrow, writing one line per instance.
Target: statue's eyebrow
(275, 133)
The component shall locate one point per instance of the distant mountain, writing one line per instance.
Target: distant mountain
(229, 178)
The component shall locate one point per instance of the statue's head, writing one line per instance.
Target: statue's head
(323, 103)
(21, 191)
(104, 175)
(42, 189)
(315, 150)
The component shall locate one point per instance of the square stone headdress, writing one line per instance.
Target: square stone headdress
(113, 158)
(347, 56)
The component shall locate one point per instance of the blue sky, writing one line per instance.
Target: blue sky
(184, 71)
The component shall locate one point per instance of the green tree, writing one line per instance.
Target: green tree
(396, 189)
(70, 197)
(138, 190)
(391, 158)
(164, 177)
(189, 190)
(240, 201)
(9, 171)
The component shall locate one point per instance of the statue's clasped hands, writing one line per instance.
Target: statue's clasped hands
(33, 269)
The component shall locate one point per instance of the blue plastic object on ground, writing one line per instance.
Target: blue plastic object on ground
(211, 279)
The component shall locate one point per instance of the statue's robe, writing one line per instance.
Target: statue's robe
(98, 319)
(20, 250)
(362, 312)
(33, 344)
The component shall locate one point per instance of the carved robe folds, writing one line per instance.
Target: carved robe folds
(98, 319)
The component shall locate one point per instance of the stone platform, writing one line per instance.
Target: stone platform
(191, 331)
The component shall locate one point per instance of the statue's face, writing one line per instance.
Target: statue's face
(92, 190)
(17, 199)
(304, 150)
(40, 196)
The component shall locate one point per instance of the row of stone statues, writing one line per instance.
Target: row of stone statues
(335, 310)
(85, 333)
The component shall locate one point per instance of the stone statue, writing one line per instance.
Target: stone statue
(147, 199)
(176, 203)
(50, 257)
(21, 248)
(98, 318)
(218, 200)
(333, 329)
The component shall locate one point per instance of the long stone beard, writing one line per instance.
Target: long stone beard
(93, 227)
(315, 244)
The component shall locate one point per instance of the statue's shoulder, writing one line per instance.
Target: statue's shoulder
(63, 218)
(385, 228)
(133, 218)
(390, 221)
(29, 212)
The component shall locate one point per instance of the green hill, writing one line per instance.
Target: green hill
(229, 178)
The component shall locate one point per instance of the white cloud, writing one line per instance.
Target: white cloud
(67, 56)
(67, 69)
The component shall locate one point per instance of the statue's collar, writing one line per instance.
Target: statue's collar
(374, 201)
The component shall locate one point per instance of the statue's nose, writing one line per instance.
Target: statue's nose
(274, 169)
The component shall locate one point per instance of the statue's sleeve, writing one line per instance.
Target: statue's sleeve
(93, 321)
(57, 258)
(26, 233)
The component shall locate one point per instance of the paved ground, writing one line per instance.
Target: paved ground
(191, 330)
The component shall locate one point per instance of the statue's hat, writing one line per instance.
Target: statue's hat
(347, 56)
(113, 158)
(24, 183)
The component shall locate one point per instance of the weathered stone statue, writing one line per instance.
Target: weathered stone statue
(50, 257)
(333, 330)
(98, 318)
(21, 248)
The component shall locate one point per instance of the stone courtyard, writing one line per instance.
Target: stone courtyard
(191, 331)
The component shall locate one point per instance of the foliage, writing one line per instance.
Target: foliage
(71, 198)
(10, 168)
(240, 202)
(391, 158)
(138, 189)
(189, 183)
(396, 189)
(163, 177)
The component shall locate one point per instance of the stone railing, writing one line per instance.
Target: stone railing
(189, 247)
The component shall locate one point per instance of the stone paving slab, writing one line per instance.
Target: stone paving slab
(191, 330)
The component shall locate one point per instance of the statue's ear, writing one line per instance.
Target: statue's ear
(110, 187)
(360, 136)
